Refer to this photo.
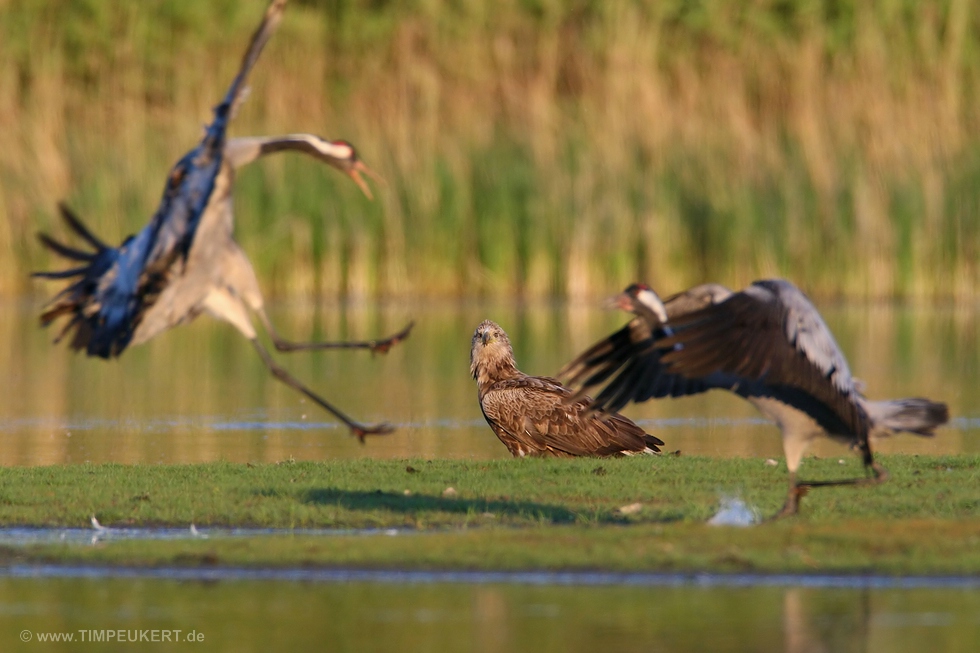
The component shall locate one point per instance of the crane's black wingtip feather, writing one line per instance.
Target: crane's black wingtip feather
(76, 225)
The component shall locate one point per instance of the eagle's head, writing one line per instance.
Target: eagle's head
(490, 352)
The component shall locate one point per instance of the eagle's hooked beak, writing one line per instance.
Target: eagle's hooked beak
(485, 337)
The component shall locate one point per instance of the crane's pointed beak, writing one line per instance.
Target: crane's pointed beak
(355, 173)
(623, 301)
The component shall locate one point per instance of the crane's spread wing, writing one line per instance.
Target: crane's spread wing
(536, 412)
(630, 364)
(120, 284)
(192, 180)
(774, 343)
(73, 300)
(600, 361)
(694, 299)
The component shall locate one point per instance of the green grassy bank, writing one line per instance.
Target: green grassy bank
(535, 148)
(513, 514)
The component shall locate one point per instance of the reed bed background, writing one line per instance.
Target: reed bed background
(533, 148)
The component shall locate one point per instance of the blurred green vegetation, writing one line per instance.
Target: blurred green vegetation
(530, 147)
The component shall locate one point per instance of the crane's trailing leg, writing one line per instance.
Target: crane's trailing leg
(228, 306)
(796, 492)
(376, 346)
(799, 489)
(357, 429)
(878, 475)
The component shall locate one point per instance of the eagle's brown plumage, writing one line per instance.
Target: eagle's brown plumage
(531, 415)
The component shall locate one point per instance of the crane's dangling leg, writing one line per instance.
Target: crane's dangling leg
(376, 346)
(238, 280)
(798, 489)
(223, 303)
(358, 429)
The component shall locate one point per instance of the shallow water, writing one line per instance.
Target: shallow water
(371, 615)
(199, 393)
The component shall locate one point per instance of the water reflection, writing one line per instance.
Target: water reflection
(247, 615)
(199, 393)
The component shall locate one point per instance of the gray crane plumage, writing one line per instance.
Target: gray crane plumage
(185, 261)
(532, 415)
(769, 345)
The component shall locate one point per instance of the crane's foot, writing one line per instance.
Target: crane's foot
(800, 489)
(880, 473)
(792, 505)
(382, 346)
(361, 431)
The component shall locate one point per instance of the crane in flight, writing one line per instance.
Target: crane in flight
(185, 261)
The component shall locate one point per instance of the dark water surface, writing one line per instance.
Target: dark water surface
(261, 615)
(199, 392)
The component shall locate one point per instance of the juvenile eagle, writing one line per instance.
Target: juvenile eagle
(767, 344)
(532, 415)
